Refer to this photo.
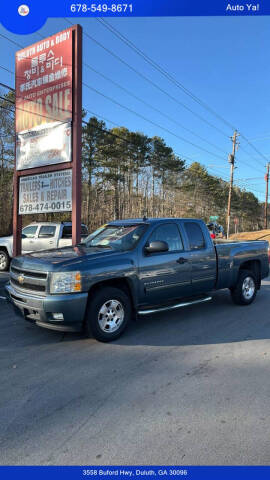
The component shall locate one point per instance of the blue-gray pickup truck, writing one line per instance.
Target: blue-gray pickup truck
(132, 267)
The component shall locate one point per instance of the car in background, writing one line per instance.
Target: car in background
(39, 236)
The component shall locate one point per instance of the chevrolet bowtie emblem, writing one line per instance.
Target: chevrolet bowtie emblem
(21, 279)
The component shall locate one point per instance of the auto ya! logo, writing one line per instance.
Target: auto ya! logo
(23, 10)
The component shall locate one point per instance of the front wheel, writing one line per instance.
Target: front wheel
(245, 290)
(108, 314)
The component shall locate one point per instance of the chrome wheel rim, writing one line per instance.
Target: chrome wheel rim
(111, 316)
(3, 261)
(248, 288)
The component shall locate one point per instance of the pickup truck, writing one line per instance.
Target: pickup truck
(129, 268)
(38, 236)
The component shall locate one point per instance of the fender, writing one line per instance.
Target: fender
(7, 243)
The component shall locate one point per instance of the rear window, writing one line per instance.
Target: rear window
(67, 231)
(195, 236)
(46, 231)
(84, 231)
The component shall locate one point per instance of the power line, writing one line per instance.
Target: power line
(151, 106)
(254, 148)
(250, 155)
(149, 80)
(150, 121)
(130, 142)
(141, 116)
(136, 113)
(162, 70)
(165, 73)
(6, 69)
(239, 160)
(88, 66)
(127, 108)
(10, 40)
(141, 100)
(83, 121)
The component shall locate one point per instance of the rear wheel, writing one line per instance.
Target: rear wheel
(245, 290)
(108, 314)
(4, 261)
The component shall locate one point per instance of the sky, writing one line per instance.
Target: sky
(223, 61)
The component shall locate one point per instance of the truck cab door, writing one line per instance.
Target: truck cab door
(29, 238)
(202, 257)
(47, 237)
(164, 276)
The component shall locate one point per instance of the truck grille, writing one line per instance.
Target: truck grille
(28, 281)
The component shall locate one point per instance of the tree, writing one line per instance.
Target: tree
(92, 137)
(7, 145)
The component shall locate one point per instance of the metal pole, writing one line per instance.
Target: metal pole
(17, 219)
(231, 161)
(76, 134)
(266, 195)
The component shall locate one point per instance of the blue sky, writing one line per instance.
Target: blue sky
(222, 60)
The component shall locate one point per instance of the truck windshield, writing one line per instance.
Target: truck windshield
(116, 237)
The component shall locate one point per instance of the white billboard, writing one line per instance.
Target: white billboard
(46, 192)
(43, 145)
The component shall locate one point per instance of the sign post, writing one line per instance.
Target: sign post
(77, 134)
(48, 117)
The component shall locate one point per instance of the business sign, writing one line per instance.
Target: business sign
(46, 192)
(43, 96)
(47, 170)
(44, 145)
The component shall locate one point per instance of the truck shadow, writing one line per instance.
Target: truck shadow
(219, 321)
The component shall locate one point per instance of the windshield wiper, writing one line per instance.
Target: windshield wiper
(99, 245)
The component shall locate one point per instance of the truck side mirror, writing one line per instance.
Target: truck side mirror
(156, 247)
(23, 236)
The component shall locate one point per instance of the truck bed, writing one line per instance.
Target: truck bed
(230, 254)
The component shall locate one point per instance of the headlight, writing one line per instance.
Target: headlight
(65, 282)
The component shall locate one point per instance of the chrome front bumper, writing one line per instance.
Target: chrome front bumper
(40, 309)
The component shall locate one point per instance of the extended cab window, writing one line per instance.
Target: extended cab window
(168, 233)
(29, 232)
(46, 231)
(195, 236)
(67, 231)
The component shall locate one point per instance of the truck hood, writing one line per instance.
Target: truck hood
(58, 259)
(6, 240)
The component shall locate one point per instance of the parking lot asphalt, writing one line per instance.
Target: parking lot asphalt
(188, 387)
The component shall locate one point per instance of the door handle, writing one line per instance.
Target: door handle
(182, 260)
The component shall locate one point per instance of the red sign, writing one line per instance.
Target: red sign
(44, 82)
(49, 121)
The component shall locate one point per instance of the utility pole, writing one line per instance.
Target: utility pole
(266, 177)
(231, 161)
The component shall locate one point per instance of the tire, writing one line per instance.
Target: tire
(245, 291)
(108, 314)
(4, 261)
